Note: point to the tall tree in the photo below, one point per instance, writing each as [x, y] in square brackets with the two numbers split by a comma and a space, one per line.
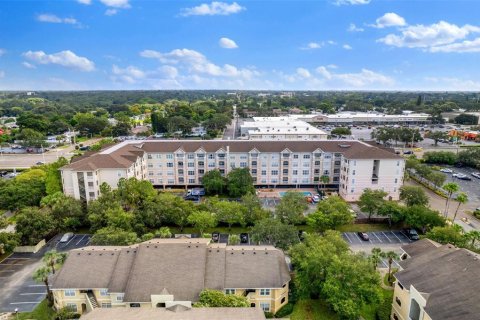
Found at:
[214, 182]
[330, 214]
[229, 213]
[390, 256]
[41, 276]
[239, 182]
[413, 195]
[54, 259]
[376, 257]
[371, 201]
[450, 188]
[253, 209]
[461, 198]
[202, 220]
[272, 231]
[291, 207]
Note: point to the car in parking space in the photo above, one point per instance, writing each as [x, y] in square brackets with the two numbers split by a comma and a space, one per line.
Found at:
[476, 174]
[411, 234]
[408, 152]
[461, 176]
[446, 170]
[215, 236]
[191, 197]
[39, 163]
[66, 237]
[243, 237]
[364, 236]
[316, 198]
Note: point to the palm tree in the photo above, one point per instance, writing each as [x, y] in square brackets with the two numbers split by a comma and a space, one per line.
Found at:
[461, 198]
[324, 180]
[390, 256]
[473, 236]
[52, 258]
[451, 188]
[376, 257]
[41, 275]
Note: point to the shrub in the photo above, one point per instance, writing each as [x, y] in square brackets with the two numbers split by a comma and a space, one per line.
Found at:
[284, 311]
[269, 315]
[384, 309]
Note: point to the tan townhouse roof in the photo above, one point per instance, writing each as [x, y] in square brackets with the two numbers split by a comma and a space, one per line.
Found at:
[125, 154]
[182, 267]
[448, 278]
[166, 314]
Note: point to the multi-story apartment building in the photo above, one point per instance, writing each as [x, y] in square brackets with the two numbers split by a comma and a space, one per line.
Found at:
[351, 166]
[436, 282]
[163, 273]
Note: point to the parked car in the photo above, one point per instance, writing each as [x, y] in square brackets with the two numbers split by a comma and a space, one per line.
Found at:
[408, 152]
[66, 237]
[411, 234]
[461, 176]
[446, 170]
[215, 236]
[316, 198]
[191, 197]
[39, 163]
[364, 236]
[476, 175]
[243, 237]
[196, 192]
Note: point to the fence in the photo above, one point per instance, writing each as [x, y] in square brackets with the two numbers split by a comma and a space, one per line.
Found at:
[30, 249]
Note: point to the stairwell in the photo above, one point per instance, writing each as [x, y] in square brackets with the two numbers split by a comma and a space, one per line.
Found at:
[92, 299]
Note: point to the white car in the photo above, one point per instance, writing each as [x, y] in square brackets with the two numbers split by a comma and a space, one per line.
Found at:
[476, 175]
[66, 237]
[446, 170]
[316, 198]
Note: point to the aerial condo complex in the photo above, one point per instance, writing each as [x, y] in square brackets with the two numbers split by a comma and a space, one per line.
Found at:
[239, 160]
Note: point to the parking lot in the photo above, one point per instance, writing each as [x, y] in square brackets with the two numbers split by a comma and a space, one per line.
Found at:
[472, 187]
[18, 290]
[378, 238]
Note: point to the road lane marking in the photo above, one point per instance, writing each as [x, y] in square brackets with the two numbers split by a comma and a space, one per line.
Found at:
[80, 240]
[377, 237]
[386, 236]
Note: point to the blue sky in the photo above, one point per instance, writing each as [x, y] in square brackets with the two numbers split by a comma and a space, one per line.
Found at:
[278, 45]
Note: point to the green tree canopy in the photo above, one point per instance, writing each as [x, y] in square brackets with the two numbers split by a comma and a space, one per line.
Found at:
[239, 182]
[291, 207]
[213, 182]
[272, 231]
[371, 201]
[202, 220]
[111, 236]
[413, 195]
[330, 214]
[218, 299]
[34, 224]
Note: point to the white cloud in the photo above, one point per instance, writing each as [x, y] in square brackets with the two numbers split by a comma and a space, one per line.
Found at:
[195, 63]
[324, 72]
[111, 12]
[390, 19]
[452, 84]
[87, 2]
[354, 28]
[213, 9]
[313, 45]
[364, 78]
[2, 74]
[123, 4]
[28, 65]
[168, 71]
[347, 47]
[64, 58]
[129, 74]
[51, 18]
[2, 52]
[304, 73]
[430, 36]
[351, 2]
[332, 66]
[227, 43]
[459, 47]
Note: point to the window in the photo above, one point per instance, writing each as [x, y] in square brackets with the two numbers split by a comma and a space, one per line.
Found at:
[69, 293]
[400, 285]
[254, 171]
[254, 163]
[264, 292]
[191, 164]
[89, 174]
[191, 180]
[395, 317]
[396, 180]
[285, 171]
[201, 163]
[201, 171]
[306, 165]
[243, 164]
[306, 156]
[295, 156]
[264, 172]
[285, 179]
[91, 194]
[169, 164]
[106, 305]
[274, 164]
[200, 156]
[283, 300]
[353, 172]
[171, 181]
[134, 305]
[90, 184]
[265, 306]
[191, 156]
[180, 171]
[274, 172]
[169, 156]
[229, 291]
[306, 172]
[149, 156]
[104, 292]
[317, 163]
[285, 163]
[169, 173]
[326, 172]
[120, 297]
[398, 301]
[159, 156]
[72, 307]
[191, 173]
[295, 172]
[150, 173]
[181, 180]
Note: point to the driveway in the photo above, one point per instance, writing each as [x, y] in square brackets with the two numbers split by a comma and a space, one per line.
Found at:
[18, 290]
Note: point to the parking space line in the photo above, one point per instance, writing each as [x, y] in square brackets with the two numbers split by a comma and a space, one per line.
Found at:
[24, 302]
[348, 238]
[66, 244]
[7, 270]
[386, 236]
[376, 237]
[17, 258]
[359, 238]
[81, 240]
[32, 293]
[405, 236]
[396, 236]
[36, 285]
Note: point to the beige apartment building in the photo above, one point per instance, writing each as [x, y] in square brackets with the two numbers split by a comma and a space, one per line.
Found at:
[436, 282]
[351, 166]
[165, 273]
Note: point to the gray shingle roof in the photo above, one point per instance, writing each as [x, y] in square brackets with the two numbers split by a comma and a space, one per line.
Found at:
[164, 314]
[419, 247]
[449, 278]
[182, 267]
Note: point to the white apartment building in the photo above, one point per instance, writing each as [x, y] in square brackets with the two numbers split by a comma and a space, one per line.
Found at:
[345, 118]
[280, 128]
[351, 166]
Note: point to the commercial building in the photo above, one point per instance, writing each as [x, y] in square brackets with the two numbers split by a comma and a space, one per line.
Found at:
[170, 273]
[351, 166]
[436, 282]
[374, 118]
[280, 128]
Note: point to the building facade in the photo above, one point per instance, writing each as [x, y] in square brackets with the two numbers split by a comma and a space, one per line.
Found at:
[350, 166]
[163, 273]
[280, 128]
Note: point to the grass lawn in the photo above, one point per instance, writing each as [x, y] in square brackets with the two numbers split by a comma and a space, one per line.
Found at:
[312, 310]
[41, 312]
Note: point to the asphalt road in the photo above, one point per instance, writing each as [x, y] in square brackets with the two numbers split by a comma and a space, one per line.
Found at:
[18, 290]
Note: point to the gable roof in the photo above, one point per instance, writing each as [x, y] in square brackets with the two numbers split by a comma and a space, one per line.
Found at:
[448, 277]
[182, 267]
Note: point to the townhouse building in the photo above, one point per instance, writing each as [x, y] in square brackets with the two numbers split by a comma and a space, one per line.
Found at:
[436, 282]
[165, 273]
[346, 166]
